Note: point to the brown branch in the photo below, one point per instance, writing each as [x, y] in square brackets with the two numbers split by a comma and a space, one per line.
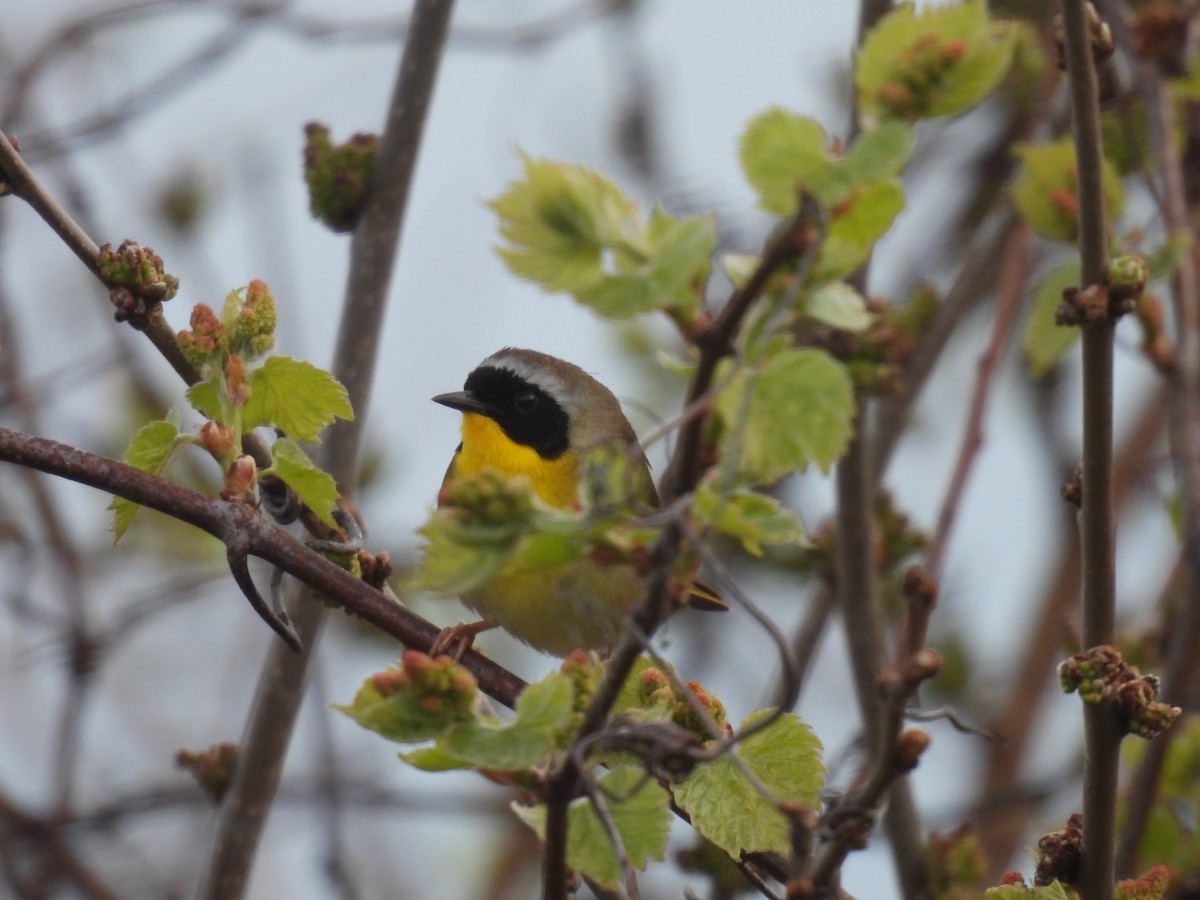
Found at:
[1102, 734]
[1014, 273]
[238, 522]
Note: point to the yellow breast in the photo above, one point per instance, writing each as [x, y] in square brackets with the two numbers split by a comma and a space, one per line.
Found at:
[486, 446]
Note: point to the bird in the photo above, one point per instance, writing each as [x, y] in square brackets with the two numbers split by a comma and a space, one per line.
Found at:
[528, 413]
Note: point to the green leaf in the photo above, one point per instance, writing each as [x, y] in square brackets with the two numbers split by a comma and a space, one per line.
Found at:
[931, 62]
[434, 759]
[838, 305]
[148, 452]
[1046, 190]
[728, 810]
[796, 407]
[557, 221]
[316, 489]
[754, 518]
[856, 225]
[640, 811]
[672, 261]
[1044, 341]
[205, 398]
[782, 154]
[543, 710]
[295, 397]
[1052, 891]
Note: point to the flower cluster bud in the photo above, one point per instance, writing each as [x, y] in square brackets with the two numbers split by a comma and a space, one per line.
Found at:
[1101, 674]
[137, 269]
[213, 768]
[919, 74]
[252, 332]
[438, 687]
[1059, 854]
[657, 690]
[338, 176]
[489, 497]
[207, 338]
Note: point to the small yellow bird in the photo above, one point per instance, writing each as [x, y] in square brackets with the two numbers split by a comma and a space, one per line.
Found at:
[527, 413]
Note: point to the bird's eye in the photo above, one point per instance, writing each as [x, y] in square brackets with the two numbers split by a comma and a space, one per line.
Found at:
[525, 402]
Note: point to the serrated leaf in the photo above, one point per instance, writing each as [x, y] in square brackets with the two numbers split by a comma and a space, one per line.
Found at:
[640, 811]
[1046, 189]
[1044, 341]
[930, 62]
[148, 451]
[838, 305]
[794, 408]
[753, 518]
[295, 397]
[557, 220]
[1052, 891]
[783, 154]
[205, 398]
[316, 489]
[728, 810]
[543, 710]
[856, 225]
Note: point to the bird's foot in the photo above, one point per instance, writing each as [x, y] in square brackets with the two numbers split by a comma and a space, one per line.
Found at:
[457, 639]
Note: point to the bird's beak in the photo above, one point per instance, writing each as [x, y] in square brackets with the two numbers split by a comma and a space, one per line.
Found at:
[464, 401]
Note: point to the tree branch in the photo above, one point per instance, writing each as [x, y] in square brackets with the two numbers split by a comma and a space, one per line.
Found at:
[1102, 740]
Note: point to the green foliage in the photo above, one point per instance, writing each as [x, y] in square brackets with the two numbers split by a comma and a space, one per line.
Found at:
[569, 229]
[640, 811]
[932, 62]
[148, 451]
[295, 397]
[860, 220]
[417, 700]
[791, 408]
[316, 488]
[783, 154]
[493, 523]
[1046, 190]
[838, 305]
[1045, 341]
[1052, 891]
[543, 713]
[1171, 836]
[729, 810]
[753, 518]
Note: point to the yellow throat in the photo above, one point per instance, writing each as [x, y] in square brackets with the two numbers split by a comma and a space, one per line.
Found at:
[486, 446]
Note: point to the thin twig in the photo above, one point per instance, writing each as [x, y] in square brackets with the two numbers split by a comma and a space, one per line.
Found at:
[1014, 273]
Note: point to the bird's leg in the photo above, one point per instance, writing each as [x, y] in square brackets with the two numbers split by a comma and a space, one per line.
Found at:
[457, 639]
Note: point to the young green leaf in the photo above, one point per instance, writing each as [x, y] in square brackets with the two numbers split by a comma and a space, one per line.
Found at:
[1045, 341]
[855, 226]
[728, 810]
[569, 229]
[783, 153]
[794, 408]
[838, 305]
[753, 518]
[434, 759]
[316, 489]
[148, 451]
[640, 811]
[205, 398]
[1046, 190]
[543, 711]
[932, 61]
[295, 397]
